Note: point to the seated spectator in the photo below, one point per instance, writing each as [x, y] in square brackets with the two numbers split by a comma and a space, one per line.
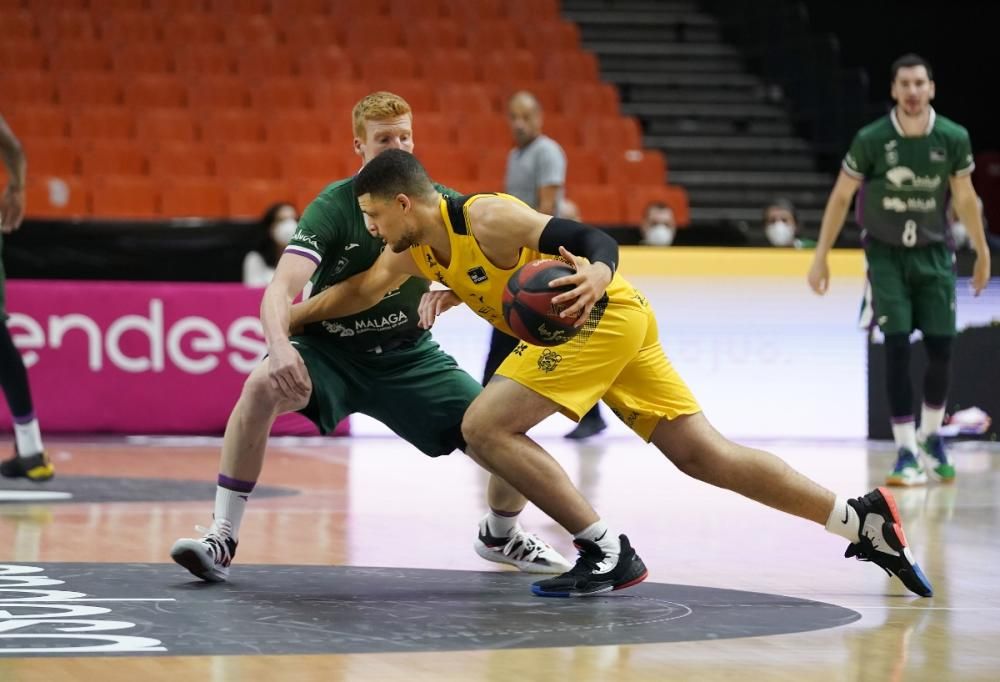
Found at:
[658, 225]
[781, 225]
[278, 224]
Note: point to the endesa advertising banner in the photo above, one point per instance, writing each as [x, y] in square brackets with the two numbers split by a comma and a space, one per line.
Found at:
[137, 357]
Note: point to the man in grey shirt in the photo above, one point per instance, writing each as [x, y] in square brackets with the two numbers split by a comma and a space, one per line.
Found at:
[536, 174]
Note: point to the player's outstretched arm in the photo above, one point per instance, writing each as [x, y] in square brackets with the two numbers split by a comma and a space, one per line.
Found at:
[833, 222]
[967, 208]
[506, 226]
[357, 293]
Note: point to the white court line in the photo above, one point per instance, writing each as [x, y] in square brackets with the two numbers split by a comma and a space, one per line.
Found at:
[32, 495]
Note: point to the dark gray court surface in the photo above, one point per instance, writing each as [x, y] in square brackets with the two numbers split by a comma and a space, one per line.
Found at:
[103, 489]
[155, 609]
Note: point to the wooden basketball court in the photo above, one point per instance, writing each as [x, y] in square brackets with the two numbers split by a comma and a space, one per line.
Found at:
[373, 502]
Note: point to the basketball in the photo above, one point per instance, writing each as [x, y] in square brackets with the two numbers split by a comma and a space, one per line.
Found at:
[528, 307]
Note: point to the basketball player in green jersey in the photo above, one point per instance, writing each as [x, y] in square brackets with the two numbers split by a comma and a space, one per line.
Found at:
[907, 163]
[361, 363]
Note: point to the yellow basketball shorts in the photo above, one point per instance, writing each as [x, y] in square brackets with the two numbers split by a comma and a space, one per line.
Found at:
[620, 360]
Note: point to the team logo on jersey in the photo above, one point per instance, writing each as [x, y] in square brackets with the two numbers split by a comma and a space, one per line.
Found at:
[350, 246]
[477, 275]
[519, 350]
[938, 154]
[548, 360]
[341, 264]
[305, 238]
[337, 328]
[904, 177]
[891, 153]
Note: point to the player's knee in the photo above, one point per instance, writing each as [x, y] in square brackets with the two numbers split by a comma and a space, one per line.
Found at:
[475, 428]
[258, 391]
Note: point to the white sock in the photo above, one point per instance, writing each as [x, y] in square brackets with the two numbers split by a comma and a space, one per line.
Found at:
[28, 438]
[229, 505]
[844, 520]
[500, 525]
[598, 532]
[905, 435]
[931, 419]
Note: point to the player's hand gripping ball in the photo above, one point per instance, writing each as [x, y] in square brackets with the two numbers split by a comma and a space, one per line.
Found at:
[528, 307]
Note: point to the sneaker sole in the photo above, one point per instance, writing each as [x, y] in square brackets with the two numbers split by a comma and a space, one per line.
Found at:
[897, 527]
[499, 557]
[604, 589]
[185, 554]
[899, 482]
[929, 465]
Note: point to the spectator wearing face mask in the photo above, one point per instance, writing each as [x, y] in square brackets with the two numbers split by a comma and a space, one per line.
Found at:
[781, 225]
[658, 225]
[278, 223]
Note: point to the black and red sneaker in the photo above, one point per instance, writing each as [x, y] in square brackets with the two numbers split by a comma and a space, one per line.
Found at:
[594, 574]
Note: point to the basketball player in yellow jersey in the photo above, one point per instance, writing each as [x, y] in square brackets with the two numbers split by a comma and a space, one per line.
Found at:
[472, 245]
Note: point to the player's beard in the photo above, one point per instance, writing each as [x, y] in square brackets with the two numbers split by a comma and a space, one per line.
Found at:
[408, 239]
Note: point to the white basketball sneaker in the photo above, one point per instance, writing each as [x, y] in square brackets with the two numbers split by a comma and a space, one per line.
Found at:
[525, 551]
[209, 557]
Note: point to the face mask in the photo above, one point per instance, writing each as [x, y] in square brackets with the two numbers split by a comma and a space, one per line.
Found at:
[284, 229]
[780, 233]
[659, 235]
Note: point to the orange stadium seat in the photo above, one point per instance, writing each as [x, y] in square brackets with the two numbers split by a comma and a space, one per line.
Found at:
[504, 66]
[218, 92]
[58, 157]
[423, 32]
[150, 57]
[484, 132]
[337, 98]
[589, 99]
[384, 63]
[448, 165]
[311, 32]
[269, 95]
[453, 64]
[155, 90]
[409, 11]
[240, 7]
[633, 167]
[62, 26]
[231, 125]
[27, 88]
[204, 60]
[42, 120]
[550, 36]
[171, 7]
[290, 9]
[250, 198]
[584, 166]
[611, 132]
[344, 10]
[22, 54]
[105, 7]
[491, 167]
[563, 129]
[79, 56]
[18, 25]
[486, 11]
[598, 203]
[251, 31]
[637, 198]
[55, 197]
[130, 28]
[192, 29]
[326, 63]
[432, 129]
[493, 36]
[369, 33]
[165, 125]
[266, 62]
[466, 98]
[124, 197]
[110, 123]
[90, 89]
[312, 161]
[296, 127]
[568, 66]
[113, 158]
[240, 161]
[181, 159]
[531, 11]
[183, 196]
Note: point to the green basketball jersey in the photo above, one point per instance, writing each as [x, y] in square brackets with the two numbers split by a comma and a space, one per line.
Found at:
[902, 200]
[332, 233]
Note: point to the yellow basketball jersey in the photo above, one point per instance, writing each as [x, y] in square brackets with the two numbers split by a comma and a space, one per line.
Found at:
[470, 274]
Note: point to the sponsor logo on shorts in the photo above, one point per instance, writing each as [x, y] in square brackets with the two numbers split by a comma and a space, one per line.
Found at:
[549, 360]
[478, 275]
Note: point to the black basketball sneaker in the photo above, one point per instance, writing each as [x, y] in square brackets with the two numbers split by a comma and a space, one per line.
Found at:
[882, 541]
[594, 573]
[36, 467]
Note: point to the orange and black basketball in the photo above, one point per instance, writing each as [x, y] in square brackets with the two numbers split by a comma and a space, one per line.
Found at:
[528, 307]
